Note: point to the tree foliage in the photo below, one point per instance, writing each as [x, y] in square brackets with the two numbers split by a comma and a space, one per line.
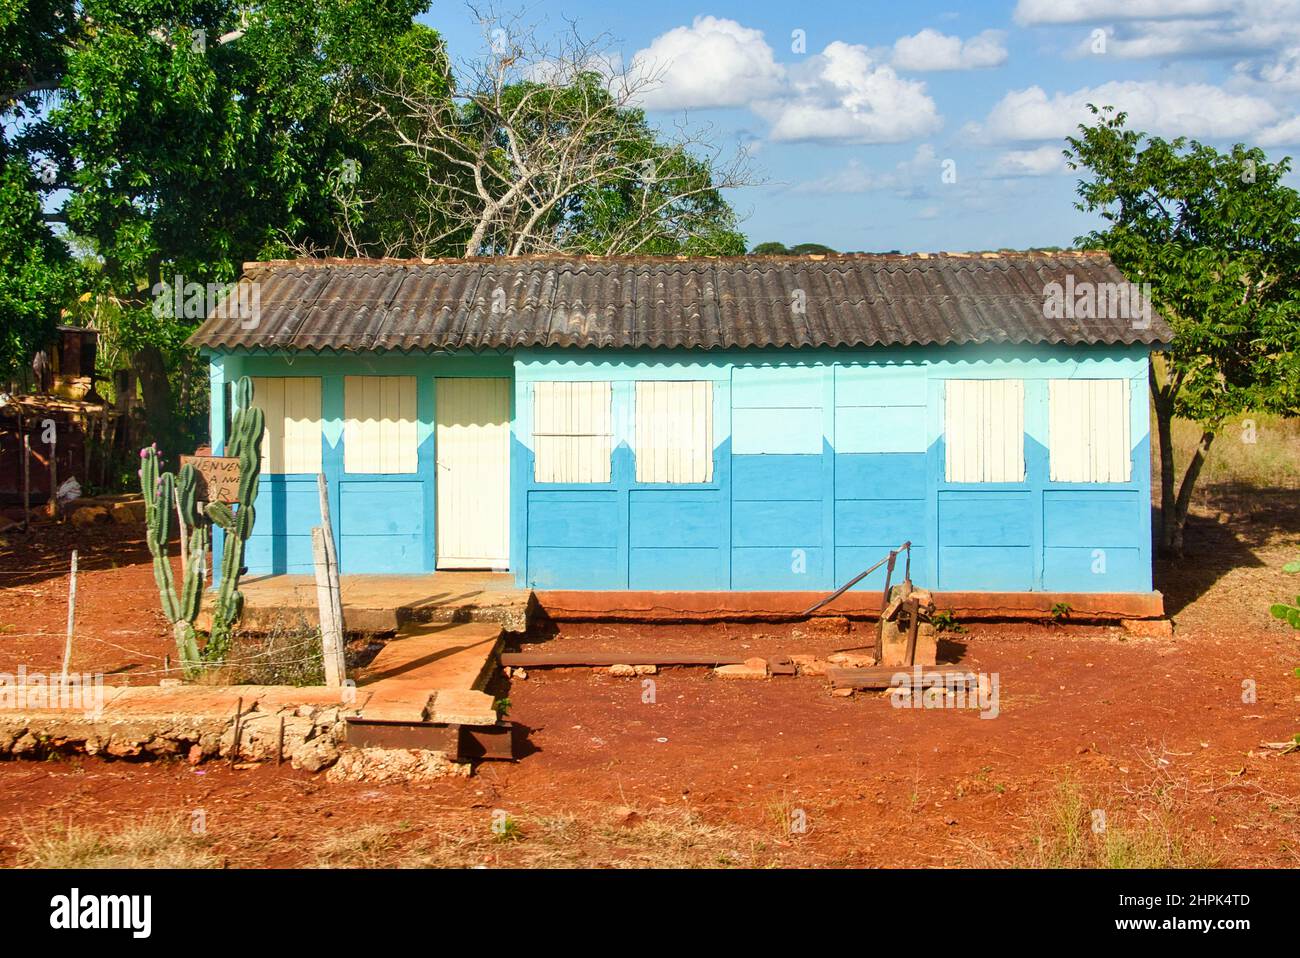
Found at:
[1217, 235]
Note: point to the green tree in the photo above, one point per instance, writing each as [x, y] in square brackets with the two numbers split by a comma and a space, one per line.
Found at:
[37, 276]
[197, 134]
[1217, 235]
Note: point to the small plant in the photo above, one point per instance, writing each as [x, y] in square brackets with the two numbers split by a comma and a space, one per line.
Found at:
[502, 706]
[1290, 614]
[507, 830]
[946, 621]
[1060, 612]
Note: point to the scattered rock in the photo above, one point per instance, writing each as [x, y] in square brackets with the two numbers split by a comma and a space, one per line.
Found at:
[622, 670]
[810, 664]
[315, 754]
[519, 674]
[89, 515]
[842, 693]
[745, 670]
[645, 669]
[128, 513]
[851, 660]
[393, 764]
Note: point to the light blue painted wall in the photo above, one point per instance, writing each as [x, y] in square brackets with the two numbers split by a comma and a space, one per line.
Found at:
[823, 460]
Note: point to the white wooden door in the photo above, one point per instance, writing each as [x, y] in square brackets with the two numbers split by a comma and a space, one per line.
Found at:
[473, 476]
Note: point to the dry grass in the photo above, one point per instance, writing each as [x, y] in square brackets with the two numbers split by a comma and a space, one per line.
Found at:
[1271, 461]
[1072, 832]
[154, 842]
[591, 838]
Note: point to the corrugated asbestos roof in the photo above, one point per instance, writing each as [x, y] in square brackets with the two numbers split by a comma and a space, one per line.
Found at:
[648, 302]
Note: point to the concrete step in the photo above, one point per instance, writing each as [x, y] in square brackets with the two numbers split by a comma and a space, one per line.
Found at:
[426, 660]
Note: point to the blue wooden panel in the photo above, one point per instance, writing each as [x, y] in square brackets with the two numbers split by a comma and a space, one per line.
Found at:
[880, 429]
[676, 519]
[776, 477]
[685, 569]
[375, 554]
[880, 386]
[760, 387]
[850, 560]
[776, 431]
[775, 569]
[1087, 518]
[986, 568]
[278, 555]
[873, 521]
[776, 523]
[1095, 570]
[880, 476]
[986, 519]
[287, 505]
[580, 521]
[381, 508]
[574, 569]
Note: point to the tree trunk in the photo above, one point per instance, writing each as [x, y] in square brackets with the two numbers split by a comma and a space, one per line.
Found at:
[151, 369]
[1164, 405]
[1184, 502]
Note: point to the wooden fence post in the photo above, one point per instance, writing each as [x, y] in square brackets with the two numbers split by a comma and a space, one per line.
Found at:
[72, 611]
[329, 599]
[27, 476]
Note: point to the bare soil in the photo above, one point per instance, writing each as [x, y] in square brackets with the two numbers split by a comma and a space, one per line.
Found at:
[1159, 734]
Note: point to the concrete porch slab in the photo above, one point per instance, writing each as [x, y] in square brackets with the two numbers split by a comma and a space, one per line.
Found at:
[384, 603]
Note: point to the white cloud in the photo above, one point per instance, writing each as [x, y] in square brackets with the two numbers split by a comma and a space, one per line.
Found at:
[712, 63]
[1166, 109]
[932, 50]
[907, 177]
[843, 95]
[1036, 12]
[1043, 161]
[1286, 133]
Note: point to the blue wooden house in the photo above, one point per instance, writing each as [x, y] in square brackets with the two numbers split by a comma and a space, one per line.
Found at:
[768, 424]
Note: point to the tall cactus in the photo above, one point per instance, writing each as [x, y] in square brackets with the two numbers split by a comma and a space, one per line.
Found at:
[245, 444]
[168, 497]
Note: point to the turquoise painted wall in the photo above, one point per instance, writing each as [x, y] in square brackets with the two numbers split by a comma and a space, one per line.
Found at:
[823, 460]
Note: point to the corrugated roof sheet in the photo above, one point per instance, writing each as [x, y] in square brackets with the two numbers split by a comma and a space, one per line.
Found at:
[646, 302]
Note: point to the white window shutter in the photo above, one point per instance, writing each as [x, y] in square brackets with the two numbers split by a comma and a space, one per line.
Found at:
[1088, 430]
[984, 430]
[292, 436]
[674, 432]
[572, 431]
[379, 429]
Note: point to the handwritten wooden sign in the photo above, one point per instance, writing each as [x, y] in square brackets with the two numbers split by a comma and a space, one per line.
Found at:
[218, 477]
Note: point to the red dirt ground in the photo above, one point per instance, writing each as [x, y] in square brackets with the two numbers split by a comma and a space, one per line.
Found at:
[1150, 730]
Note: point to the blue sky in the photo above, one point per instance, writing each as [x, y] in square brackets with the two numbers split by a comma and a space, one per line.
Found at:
[936, 126]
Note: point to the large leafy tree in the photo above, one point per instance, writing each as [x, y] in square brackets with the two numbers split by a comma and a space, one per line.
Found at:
[37, 276]
[1217, 235]
[191, 135]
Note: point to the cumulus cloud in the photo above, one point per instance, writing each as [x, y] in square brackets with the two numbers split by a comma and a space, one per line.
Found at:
[932, 50]
[712, 63]
[1166, 109]
[1043, 161]
[1037, 12]
[843, 95]
[908, 177]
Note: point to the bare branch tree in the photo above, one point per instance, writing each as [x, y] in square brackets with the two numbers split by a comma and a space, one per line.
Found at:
[540, 148]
